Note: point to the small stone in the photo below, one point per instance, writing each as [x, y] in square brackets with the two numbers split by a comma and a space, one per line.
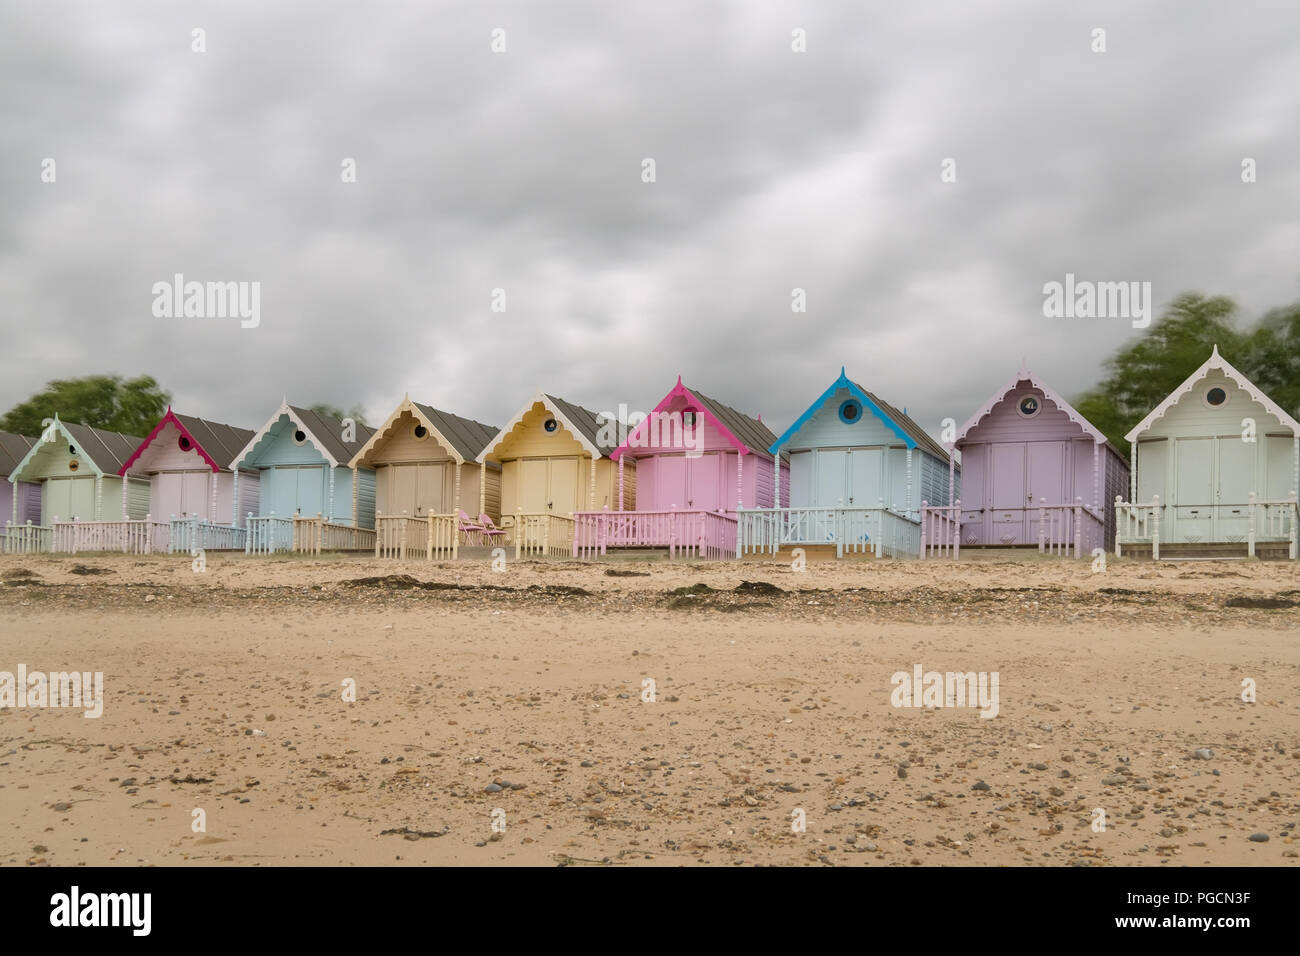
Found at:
[981, 785]
[1259, 838]
[1203, 753]
[492, 788]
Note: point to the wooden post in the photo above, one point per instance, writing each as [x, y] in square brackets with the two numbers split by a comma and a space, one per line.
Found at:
[1155, 528]
[908, 508]
[519, 532]
[1133, 472]
[924, 504]
[1042, 530]
[1096, 481]
[621, 459]
[591, 493]
[1250, 535]
[1078, 524]
[740, 479]
[956, 530]
[1119, 521]
[482, 488]
[952, 475]
[456, 492]
[776, 480]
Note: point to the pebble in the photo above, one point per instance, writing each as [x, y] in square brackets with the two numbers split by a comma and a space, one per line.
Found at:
[1259, 838]
[1203, 753]
[492, 788]
[981, 786]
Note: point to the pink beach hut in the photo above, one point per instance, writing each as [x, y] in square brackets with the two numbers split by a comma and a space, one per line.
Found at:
[696, 460]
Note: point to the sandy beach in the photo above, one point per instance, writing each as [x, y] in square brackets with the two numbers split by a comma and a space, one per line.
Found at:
[522, 699]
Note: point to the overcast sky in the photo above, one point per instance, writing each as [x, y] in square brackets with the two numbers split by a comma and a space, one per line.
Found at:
[523, 171]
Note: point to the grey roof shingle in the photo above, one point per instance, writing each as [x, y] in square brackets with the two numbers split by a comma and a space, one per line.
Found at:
[756, 436]
[221, 442]
[468, 436]
[13, 449]
[328, 430]
[108, 450]
[587, 422]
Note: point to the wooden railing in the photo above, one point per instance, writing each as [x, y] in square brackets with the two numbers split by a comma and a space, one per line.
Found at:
[1069, 529]
[879, 531]
[539, 533]
[267, 534]
[1274, 521]
[709, 535]
[193, 534]
[314, 535]
[27, 538]
[142, 536]
[941, 530]
[434, 536]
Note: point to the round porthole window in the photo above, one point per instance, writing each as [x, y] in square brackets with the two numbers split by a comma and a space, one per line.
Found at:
[688, 419]
[1028, 406]
[1214, 397]
[851, 411]
[300, 436]
[74, 465]
[420, 432]
[72, 449]
[184, 443]
[551, 425]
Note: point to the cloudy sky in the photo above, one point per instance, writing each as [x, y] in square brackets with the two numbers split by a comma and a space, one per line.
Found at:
[522, 171]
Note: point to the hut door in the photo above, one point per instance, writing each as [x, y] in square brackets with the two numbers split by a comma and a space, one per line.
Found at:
[865, 487]
[670, 483]
[56, 500]
[1281, 479]
[564, 493]
[832, 479]
[1047, 474]
[1194, 490]
[194, 495]
[430, 490]
[800, 493]
[533, 479]
[1010, 496]
[166, 495]
[705, 483]
[1236, 480]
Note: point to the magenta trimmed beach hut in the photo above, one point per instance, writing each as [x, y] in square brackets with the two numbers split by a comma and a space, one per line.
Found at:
[191, 482]
[1036, 473]
[697, 461]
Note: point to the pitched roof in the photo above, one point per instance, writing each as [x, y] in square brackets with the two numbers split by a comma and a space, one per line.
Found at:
[325, 432]
[13, 449]
[1215, 361]
[585, 421]
[468, 436]
[584, 424]
[1024, 375]
[902, 425]
[107, 451]
[748, 433]
[215, 443]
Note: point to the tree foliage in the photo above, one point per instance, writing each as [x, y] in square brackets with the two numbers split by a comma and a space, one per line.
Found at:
[130, 406]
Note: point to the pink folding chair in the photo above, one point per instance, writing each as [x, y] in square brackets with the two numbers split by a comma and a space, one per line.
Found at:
[489, 530]
[471, 532]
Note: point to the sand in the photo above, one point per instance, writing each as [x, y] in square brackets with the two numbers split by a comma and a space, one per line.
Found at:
[224, 693]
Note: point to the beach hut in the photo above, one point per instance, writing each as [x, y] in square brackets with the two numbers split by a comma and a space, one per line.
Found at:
[554, 458]
[20, 501]
[1215, 472]
[696, 461]
[87, 503]
[188, 462]
[426, 473]
[309, 499]
[860, 470]
[1036, 473]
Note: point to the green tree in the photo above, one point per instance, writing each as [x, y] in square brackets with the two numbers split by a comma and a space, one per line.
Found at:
[130, 406]
[1270, 356]
[1143, 373]
[356, 413]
